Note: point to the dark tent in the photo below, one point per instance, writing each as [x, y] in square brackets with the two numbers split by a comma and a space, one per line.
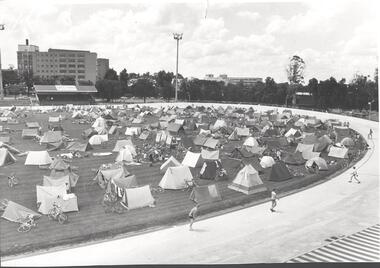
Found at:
[88, 133]
[205, 194]
[187, 142]
[294, 159]
[175, 129]
[241, 153]
[210, 170]
[279, 172]
[77, 146]
[272, 132]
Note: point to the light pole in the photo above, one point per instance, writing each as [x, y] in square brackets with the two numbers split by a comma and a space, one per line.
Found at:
[177, 36]
[2, 28]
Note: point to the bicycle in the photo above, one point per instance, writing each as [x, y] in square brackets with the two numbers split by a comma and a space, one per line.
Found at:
[57, 214]
[12, 180]
[26, 224]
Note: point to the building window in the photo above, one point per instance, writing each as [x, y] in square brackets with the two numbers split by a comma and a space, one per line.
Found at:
[81, 76]
[71, 65]
[72, 71]
[81, 71]
[81, 55]
[71, 60]
[62, 71]
[62, 60]
[62, 55]
[80, 65]
[80, 60]
[62, 65]
[71, 55]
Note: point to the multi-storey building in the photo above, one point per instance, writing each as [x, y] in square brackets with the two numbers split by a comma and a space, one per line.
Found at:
[80, 64]
[103, 65]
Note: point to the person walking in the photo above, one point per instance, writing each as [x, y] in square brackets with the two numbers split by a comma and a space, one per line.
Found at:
[274, 199]
[354, 175]
[370, 134]
[192, 215]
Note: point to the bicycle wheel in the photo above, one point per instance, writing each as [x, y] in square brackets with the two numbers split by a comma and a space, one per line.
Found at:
[23, 228]
[62, 218]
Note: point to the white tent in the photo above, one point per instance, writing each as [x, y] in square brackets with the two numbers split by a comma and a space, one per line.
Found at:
[130, 131]
[242, 132]
[124, 155]
[294, 132]
[98, 139]
[251, 142]
[171, 162]
[192, 159]
[210, 155]
[121, 144]
[320, 162]
[176, 178]
[100, 123]
[138, 197]
[267, 161]
[48, 192]
[38, 158]
[219, 124]
[247, 181]
[6, 157]
[338, 152]
[304, 147]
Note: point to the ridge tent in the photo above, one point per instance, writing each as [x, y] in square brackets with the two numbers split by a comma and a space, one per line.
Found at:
[176, 178]
[209, 170]
[100, 123]
[318, 161]
[310, 154]
[38, 158]
[267, 161]
[204, 132]
[144, 135]
[57, 181]
[234, 136]
[98, 139]
[6, 157]
[28, 133]
[205, 194]
[130, 131]
[279, 172]
[32, 125]
[255, 150]
[59, 164]
[138, 197]
[248, 181]
[179, 121]
[211, 143]
[121, 144]
[122, 183]
[51, 137]
[88, 133]
[338, 152]
[77, 146]
[294, 159]
[48, 195]
[175, 129]
[5, 139]
[55, 173]
[192, 159]
[242, 132]
[199, 140]
[304, 147]
[341, 132]
[241, 153]
[251, 142]
[124, 155]
[54, 119]
[210, 155]
[11, 149]
[295, 132]
[116, 171]
[14, 212]
[218, 124]
[171, 162]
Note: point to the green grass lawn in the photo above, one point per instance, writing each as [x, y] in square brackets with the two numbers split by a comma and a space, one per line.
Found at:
[92, 222]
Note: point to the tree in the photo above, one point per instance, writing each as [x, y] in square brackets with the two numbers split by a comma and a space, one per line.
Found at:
[295, 71]
[313, 90]
[124, 78]
[143, 88]
[10, 77]
[111, 75]
[109, 89]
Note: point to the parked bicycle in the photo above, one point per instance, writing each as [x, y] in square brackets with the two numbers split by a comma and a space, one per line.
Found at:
[26, 224]
[12, 180]
[57, 214]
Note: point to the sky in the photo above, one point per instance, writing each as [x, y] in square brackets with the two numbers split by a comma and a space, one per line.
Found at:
[237, 38]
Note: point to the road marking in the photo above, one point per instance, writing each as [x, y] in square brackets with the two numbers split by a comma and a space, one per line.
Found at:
[363, 246]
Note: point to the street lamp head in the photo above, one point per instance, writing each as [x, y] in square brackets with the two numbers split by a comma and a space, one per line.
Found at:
[177, 36]
[2, 26]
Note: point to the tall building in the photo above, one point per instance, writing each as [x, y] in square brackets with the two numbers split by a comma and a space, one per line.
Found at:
[80, 64]
[102, 65]
[246, 81]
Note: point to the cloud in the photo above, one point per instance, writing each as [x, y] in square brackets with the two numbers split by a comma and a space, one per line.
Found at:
[249, 15]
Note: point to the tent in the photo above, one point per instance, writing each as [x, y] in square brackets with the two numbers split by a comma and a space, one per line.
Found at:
[138, 197]
[219, 124]
[318, 161]
[54, 119]
[59, 164]
[279, 172]
[251, 142]
[48, 195]
[234, 136]
[38, 158]
[77, 146]
[124, 155]
[51, 137]
[211, 143]
[5, 139]
[104, 176]
[210, 155]
[98, 139]
[267, 161]
[121, 144]
[175, 129]
[309, 154]
[248, 181]
[66, 172]
[205, 194]
[199, 140]
[112, 130]
[120, 185]
[255, 150]
[130, 131]
[57, 181]
[348, 142]
[338, 152]
[176, 178]
[294, 158]
[14, 212]
[242, 132]
[192, 159]
[32, 125]
[100, 123]
[241, 153]
[209, 169]
[171, 162]
[144, 135]
[293, 132]
[6, 157]
[304, 147]
[341, 132]
[310, 139]
[28, 133]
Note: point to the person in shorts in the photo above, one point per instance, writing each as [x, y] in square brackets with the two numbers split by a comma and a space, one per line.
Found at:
[354, 175]
[274, 199]
[192, 215]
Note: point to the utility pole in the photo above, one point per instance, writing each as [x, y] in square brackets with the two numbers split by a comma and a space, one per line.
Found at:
[2, 28]
[177, 36]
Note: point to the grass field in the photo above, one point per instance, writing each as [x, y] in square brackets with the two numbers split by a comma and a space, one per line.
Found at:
[92, 222]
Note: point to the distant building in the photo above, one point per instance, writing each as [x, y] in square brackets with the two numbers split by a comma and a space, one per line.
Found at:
[304, 99]
[102, 66]
[80, 64]
[246, 81]
[64, 94]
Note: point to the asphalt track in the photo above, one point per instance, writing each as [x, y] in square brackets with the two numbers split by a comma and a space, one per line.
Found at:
[252, 235]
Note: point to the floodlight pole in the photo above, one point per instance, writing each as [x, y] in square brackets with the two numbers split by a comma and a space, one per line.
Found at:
[2, 28]
[177, 36]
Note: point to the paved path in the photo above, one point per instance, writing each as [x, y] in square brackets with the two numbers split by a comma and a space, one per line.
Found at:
[252, 235]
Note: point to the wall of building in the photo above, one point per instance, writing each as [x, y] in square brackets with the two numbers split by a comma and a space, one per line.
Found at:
[103, 66]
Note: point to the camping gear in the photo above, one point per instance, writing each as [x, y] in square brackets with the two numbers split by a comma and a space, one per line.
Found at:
[205, 194]
[248, 181]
